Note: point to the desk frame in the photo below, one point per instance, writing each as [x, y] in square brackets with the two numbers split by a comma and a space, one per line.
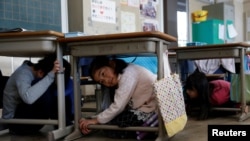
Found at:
[128, 44]
[38, 44]
[232, 50]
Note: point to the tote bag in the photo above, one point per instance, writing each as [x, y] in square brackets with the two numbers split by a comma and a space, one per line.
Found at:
[235, 88]
[170, 98]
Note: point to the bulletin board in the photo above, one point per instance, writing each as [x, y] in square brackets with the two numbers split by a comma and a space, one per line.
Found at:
[100, 16]
[114, 16]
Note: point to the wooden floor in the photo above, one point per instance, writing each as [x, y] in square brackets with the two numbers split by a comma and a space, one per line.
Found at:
[194, 131]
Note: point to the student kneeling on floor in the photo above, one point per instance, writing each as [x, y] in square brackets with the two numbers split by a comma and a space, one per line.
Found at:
[205, 94]
[134, 99]
[31, 93]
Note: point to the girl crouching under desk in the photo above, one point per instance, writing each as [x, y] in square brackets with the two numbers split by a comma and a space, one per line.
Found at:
[205, 94]
[134, 100]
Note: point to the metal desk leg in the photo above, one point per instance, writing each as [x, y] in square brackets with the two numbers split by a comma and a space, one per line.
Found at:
[162, 136]
[77, 105]
[61, 131]
[244, 108]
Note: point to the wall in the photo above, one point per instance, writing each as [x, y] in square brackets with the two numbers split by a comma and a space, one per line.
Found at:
[9, 64]
[239, 18]
[194, 5]
[116, 16]
[170, 19]
[247, 20]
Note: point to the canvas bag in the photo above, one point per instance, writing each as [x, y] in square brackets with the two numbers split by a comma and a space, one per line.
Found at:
[170, 99]
[235, 88]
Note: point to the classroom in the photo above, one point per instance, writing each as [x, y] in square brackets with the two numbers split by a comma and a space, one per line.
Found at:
[153, 70]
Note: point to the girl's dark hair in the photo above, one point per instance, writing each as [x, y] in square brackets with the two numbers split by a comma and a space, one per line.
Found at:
[102, 61]
[198, 81]
[47, 63]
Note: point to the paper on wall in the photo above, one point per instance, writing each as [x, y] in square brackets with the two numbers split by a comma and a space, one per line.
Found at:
[231, 31]
[103, 11]
[221, 32]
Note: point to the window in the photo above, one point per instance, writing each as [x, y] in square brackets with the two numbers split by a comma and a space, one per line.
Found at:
[182, 22]
[182, 28]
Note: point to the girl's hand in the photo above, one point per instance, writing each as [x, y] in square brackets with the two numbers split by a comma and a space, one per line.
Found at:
[83, 125]
[56, 67]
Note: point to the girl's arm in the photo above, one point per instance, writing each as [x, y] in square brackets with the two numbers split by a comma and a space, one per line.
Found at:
[127, 84]
[30, 93]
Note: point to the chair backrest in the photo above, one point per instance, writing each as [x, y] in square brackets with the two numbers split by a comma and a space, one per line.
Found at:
[3, 81]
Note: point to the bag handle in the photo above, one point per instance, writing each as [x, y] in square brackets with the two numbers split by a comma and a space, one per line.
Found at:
[166, 64]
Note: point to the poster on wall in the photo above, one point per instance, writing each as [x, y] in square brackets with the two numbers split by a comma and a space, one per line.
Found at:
[150, 25]
[148, 8]
[103, 11]
[149, 15]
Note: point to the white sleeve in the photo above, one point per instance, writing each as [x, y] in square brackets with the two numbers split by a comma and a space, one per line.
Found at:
[122, 96]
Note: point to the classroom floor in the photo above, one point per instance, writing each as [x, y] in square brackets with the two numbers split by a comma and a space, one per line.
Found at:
[194, 131]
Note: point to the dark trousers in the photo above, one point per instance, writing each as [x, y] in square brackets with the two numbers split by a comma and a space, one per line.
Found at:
[44, 108]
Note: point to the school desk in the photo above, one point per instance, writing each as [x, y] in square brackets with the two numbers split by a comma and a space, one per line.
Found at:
[38, 44]
[229, 50]
[122, 45]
